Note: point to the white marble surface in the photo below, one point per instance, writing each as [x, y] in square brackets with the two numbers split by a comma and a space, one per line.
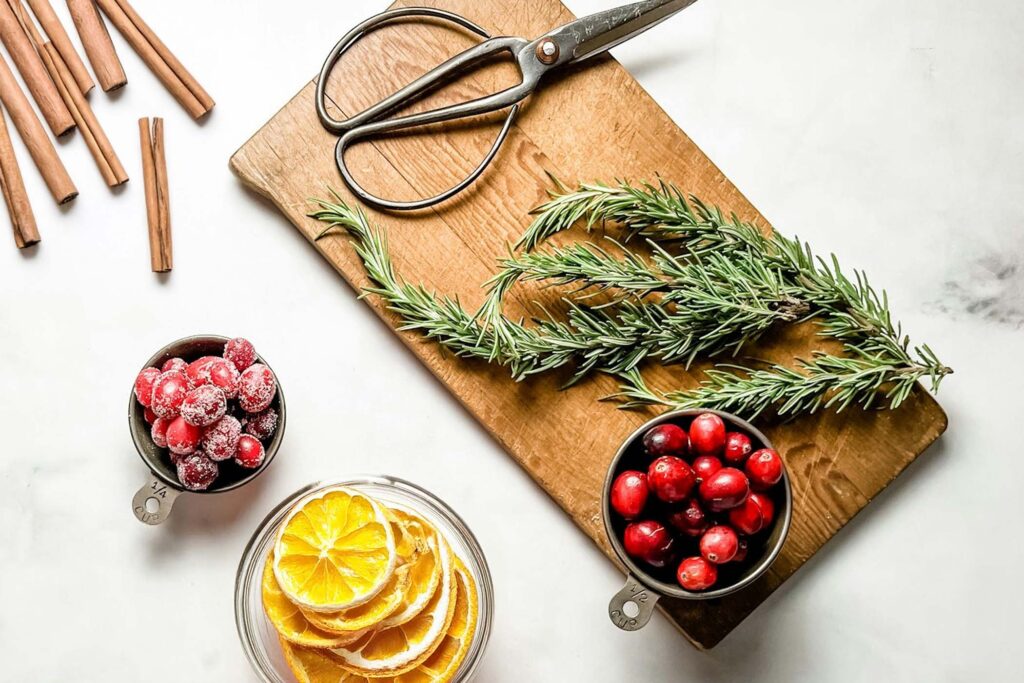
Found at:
[887, 131]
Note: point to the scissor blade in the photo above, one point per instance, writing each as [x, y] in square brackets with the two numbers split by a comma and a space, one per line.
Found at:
[600, 32]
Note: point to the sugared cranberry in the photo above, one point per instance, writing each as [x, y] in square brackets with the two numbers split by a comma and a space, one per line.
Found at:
[628, 495]
[182, 438]
[204, 405]
[719, 544]
[696, 574]
[256, 388]
[197, 472]
[174, 365]
[741, 550]
[148, 415]
[223, 375]
[263, 425]
[666, 439]
[220, 440]
[691, 520]
[158, 432]
[198, 371]
[764, 469]
[250, 452]
[169, 393]
[754, 515]
[240, 352]
[648, 541]
[707, 434]
[725, 489]
[144, 386]
[671, 479]
[706, 465]
[737, 448]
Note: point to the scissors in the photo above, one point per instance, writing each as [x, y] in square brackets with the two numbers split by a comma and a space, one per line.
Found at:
[568, 44]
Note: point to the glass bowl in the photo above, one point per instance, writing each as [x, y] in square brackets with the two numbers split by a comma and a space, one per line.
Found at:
[258, 637]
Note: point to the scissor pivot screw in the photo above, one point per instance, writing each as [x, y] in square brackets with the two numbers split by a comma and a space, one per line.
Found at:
[547, 51]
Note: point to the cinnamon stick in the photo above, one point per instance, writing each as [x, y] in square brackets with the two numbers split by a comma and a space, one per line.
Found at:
[59, 37]
[31, 67]
[154, 173]
[98, 46]
[34, 135]
[175, 77]
[23, 221]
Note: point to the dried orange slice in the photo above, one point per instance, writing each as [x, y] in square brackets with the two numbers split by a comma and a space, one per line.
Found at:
[335, 551]
[426, 570]
[310, 665]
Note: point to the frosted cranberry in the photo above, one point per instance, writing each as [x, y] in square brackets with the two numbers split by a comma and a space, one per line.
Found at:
[158, 432]
[666, 439]
[719, 544]
[707, 434]
[764, 469]
[671, 479]
[754, 515]
[240, 352]
[741, 551]
[174, 365]
[223, 375]
[144, 386]
[220, 440]
[629, 494]
[696, 574]
[197, 472]
[149, 416]
[706, 465]
[648, 541]
[182, 438]
[250, 452]
[256, 388]
[691, 520]
[725, 489]
[204, 405]
[737, 448]
[198, 371]
[169, 393]
[263, 425]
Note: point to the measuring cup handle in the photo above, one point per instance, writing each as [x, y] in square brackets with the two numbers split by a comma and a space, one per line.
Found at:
[642, 600]
[153, 502]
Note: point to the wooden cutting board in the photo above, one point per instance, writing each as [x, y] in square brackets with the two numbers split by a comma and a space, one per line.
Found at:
[591, 123]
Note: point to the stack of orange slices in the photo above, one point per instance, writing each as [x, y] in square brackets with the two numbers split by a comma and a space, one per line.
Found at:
[362, 592]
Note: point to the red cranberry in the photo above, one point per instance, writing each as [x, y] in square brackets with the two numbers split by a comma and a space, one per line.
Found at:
[174, 365]
[754, 515]
[169, 393]
[706, 465]
[629, 494]
[223, 375]
[648, 541]
[666, 439]
[220, 440]
[764, 468]
[737, 448]
[197, 472]
[707, 434]
[158, 432]
[696, 574]
[144, 386]
[671, 479]
[741, 550]
[182, 438]
[204, 405]
[256, 388]
[263, 425]
[149, 416]
[691, 520]
[250, 452]
[719, 544]
[725, 489]
[198, 373]
[240, 352]
[766, 505]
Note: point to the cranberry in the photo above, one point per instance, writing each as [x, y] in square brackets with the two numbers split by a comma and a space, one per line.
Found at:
[223, 375]
[691, 520]
[696, 574]
[158, 432]
[707, 434]
[671, 479]
[144, 386]
[204, 405]
[764, 468]
[197, 372]
[174, 365]
[754, 515]
[648, 541]
[256, 388]
[220, 440]
[629, 494]
[240, 352]
[719, 544]
[169, 393]
[741, 550]
[197, 472]
[725, 489]
[182, 438]
[705, 466]
[149, 416]
[262, 426]
[766, 505]
[250, 452]
[737, 448]
[666, 439]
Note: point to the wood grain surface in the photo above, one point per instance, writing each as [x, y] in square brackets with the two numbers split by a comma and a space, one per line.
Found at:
[593, 122]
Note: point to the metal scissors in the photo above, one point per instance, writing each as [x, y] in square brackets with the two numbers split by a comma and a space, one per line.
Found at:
[568, 44]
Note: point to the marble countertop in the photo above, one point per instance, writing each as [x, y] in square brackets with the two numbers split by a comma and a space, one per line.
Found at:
[888, 132]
